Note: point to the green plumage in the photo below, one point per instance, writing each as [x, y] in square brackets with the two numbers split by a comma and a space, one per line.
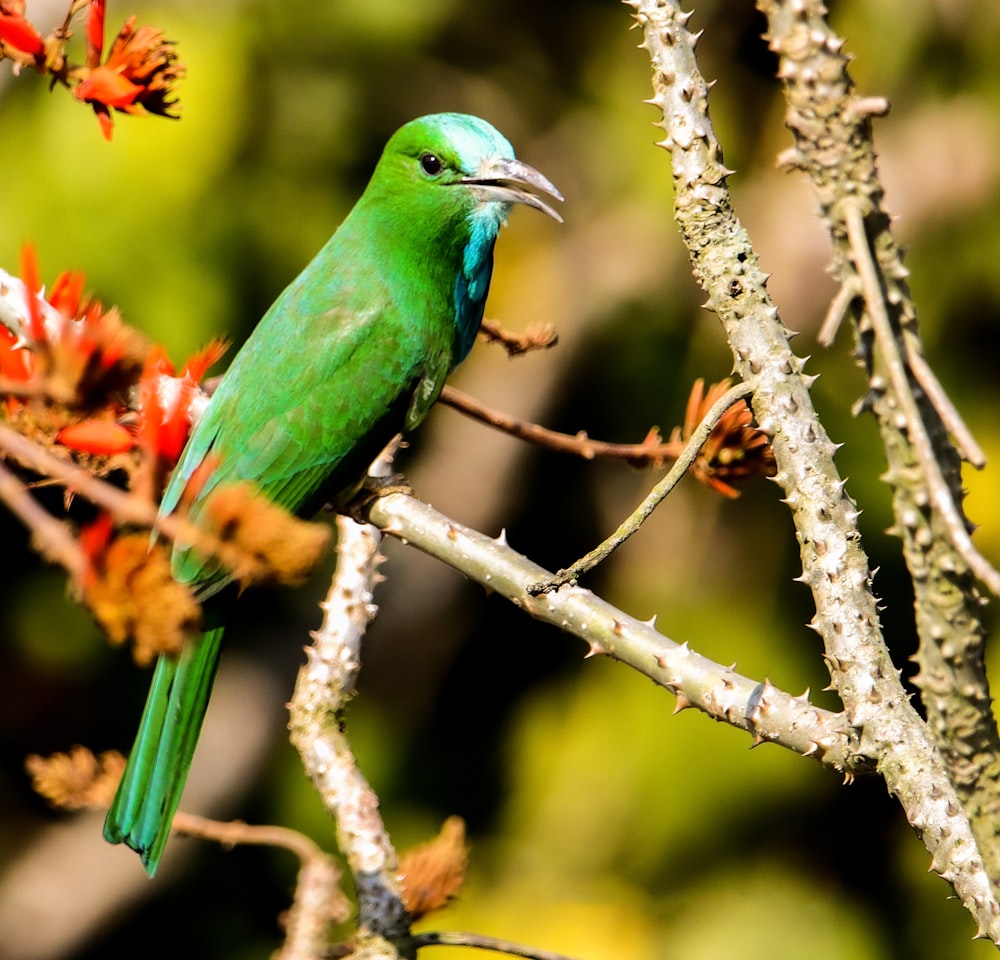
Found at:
[355, 350]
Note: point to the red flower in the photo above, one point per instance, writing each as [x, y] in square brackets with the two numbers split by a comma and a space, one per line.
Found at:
[138, 76]
[169, 405]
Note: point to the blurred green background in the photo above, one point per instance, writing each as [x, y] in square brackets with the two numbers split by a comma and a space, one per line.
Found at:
[601, 826]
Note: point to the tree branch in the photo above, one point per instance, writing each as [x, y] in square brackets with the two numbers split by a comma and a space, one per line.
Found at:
[833, 146]
[834, 563]
[325, 684]
[760, 708]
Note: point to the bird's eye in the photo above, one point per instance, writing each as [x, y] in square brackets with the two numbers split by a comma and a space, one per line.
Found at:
[430, 164]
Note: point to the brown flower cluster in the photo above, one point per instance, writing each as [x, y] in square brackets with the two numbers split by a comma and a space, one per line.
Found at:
[735, 449]
[258, 541]
[130, 592]
[139, 75]
[433, 873]
[77, 780]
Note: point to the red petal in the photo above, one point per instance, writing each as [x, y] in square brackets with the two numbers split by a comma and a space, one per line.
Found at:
[67, 292]
[174, 427]
[33, 287]
[103, 437]
[18, 32]
[95, 32]
[15, 364]
[198, 365]
[107, 86]
[94, 540]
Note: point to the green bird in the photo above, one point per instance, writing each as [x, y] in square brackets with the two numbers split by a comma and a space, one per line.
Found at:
[354, 351]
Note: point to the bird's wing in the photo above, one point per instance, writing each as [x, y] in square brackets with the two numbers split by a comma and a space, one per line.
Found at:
[305, 409]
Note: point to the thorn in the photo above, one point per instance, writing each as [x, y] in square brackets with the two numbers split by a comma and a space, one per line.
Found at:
[863, 107]
[682, 704]
[501, 537]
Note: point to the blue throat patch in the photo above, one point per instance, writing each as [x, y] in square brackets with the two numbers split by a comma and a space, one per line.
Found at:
[473, 281]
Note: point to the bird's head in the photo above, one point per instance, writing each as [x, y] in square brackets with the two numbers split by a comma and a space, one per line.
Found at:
[459, 163]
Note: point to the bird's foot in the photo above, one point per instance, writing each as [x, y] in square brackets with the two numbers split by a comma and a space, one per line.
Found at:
[374, 488]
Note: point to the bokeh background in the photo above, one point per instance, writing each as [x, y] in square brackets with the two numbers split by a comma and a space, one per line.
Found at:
[602, 827]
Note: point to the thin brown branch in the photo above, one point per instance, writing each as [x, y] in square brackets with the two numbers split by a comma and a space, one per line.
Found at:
[537, 337]
[650, 452]
[481, 942]
[318, 901]
[53, 537]
[23, 388]
[235, 833]
[126, 507]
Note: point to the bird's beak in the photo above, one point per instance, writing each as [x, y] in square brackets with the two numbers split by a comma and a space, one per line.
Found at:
[507, 181]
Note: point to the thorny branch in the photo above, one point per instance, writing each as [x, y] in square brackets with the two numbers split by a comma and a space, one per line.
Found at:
[834, 147]
[834, 565]
[764, 711]
[324, 686]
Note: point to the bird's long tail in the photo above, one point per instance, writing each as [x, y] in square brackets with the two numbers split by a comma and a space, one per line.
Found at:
[151, 787]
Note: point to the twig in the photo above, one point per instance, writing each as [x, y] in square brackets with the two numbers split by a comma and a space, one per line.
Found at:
[233, 833]
[849, 290]
[579, 444]
[481, 942]
[536, 337]
[940, 495]
[125, 506]
[318, 901]
[655, 497]
[929, 383]
[53, 537]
